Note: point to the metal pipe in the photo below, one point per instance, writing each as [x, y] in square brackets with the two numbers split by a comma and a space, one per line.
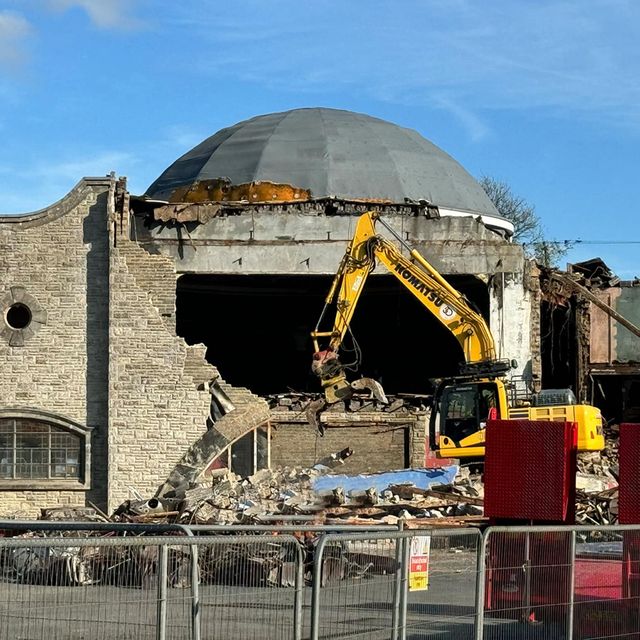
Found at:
[404, 589]
[92, 541]
[480, 588]
[188, 530]
[161, 623]
[50, 525]
[394, 233]
[207, 528]
[395, 619]
[286, 518]
[526, 567]
[564, 528]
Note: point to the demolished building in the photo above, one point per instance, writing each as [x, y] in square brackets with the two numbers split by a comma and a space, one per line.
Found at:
[591, 337]
[135, 327]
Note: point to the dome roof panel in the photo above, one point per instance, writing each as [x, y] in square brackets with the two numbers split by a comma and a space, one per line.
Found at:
[331, 153]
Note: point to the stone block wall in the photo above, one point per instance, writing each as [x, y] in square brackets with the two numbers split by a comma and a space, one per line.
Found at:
[59, 258]
[157, 410]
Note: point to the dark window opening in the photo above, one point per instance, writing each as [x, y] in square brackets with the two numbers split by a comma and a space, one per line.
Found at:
[558, 346]
[18, 316]
[617, 396]
[247, 455]
[257, 330]
[34, 450]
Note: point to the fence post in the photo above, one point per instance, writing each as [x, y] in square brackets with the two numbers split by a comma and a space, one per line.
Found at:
[404, 590]
[195, 594]
[398, 584]
[161, 624]
[481, 583]
[315, 587]
[526, 567]
[298, 597]
[572, 586]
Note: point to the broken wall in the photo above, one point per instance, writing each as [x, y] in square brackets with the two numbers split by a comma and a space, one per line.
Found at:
[301, 239]
[159, 396]
[57, 260]
[294, 239]
[513, 321]
[156, 408]
[610, 341]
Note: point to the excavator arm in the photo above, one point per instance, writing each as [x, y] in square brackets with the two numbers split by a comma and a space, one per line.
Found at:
[449, 306]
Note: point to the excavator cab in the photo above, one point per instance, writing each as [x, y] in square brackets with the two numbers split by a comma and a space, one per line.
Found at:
[459, 415]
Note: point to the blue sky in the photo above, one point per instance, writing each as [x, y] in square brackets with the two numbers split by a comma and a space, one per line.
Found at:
[544, 95]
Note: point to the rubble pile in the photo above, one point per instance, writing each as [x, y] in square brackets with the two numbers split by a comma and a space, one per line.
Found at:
[230, 499]
[597, 483]
[401, 403]
[599, 508]
[289, 491]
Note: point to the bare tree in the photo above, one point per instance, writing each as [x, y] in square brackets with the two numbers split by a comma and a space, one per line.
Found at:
[528, 228]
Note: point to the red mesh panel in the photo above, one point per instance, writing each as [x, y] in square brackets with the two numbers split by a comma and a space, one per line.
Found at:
[629, 463]
[530, 470]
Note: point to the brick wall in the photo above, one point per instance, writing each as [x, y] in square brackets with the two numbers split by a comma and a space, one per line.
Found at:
[53, 254]
[380, 442]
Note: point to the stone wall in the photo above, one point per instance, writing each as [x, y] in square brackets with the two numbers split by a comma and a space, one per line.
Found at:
[159, 397]
[156, 408]
[51, 256]
[101, 351]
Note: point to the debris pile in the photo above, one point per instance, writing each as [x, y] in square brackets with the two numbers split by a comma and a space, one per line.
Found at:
[401, 403]
[597, 483]
[385, 498]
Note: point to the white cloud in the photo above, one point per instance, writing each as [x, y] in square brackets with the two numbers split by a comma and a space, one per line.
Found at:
[107, 14]
[14, 32]
[476, 128]
[575, 59]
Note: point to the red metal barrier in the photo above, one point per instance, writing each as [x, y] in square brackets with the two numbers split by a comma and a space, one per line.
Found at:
[629, 465]
[629, 513]
[529, 471]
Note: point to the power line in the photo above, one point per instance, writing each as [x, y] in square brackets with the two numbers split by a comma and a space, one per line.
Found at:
[571, 242]
[604, 241]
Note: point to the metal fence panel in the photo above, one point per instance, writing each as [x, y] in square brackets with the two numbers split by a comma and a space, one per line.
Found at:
[361, 586]
[578, 583]
[161, 588]
[447, 608]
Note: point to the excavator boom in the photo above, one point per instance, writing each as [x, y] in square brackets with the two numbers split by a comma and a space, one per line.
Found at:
[366, 249]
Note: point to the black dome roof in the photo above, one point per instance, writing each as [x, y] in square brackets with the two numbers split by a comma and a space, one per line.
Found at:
[332, 153]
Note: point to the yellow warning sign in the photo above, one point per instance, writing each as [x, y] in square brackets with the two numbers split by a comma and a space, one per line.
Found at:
[419, 563]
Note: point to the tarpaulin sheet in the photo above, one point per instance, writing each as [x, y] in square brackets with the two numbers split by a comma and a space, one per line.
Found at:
[420, 478]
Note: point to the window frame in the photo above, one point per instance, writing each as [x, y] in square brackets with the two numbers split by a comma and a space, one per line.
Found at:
[81, 483]
[226, 455]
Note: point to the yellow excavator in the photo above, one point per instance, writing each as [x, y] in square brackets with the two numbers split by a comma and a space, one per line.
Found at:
[461, 404]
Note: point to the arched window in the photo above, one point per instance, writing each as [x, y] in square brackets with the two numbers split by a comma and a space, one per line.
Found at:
[42, 451]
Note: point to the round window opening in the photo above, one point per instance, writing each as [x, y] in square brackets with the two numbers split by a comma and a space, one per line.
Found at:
[18, 316]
